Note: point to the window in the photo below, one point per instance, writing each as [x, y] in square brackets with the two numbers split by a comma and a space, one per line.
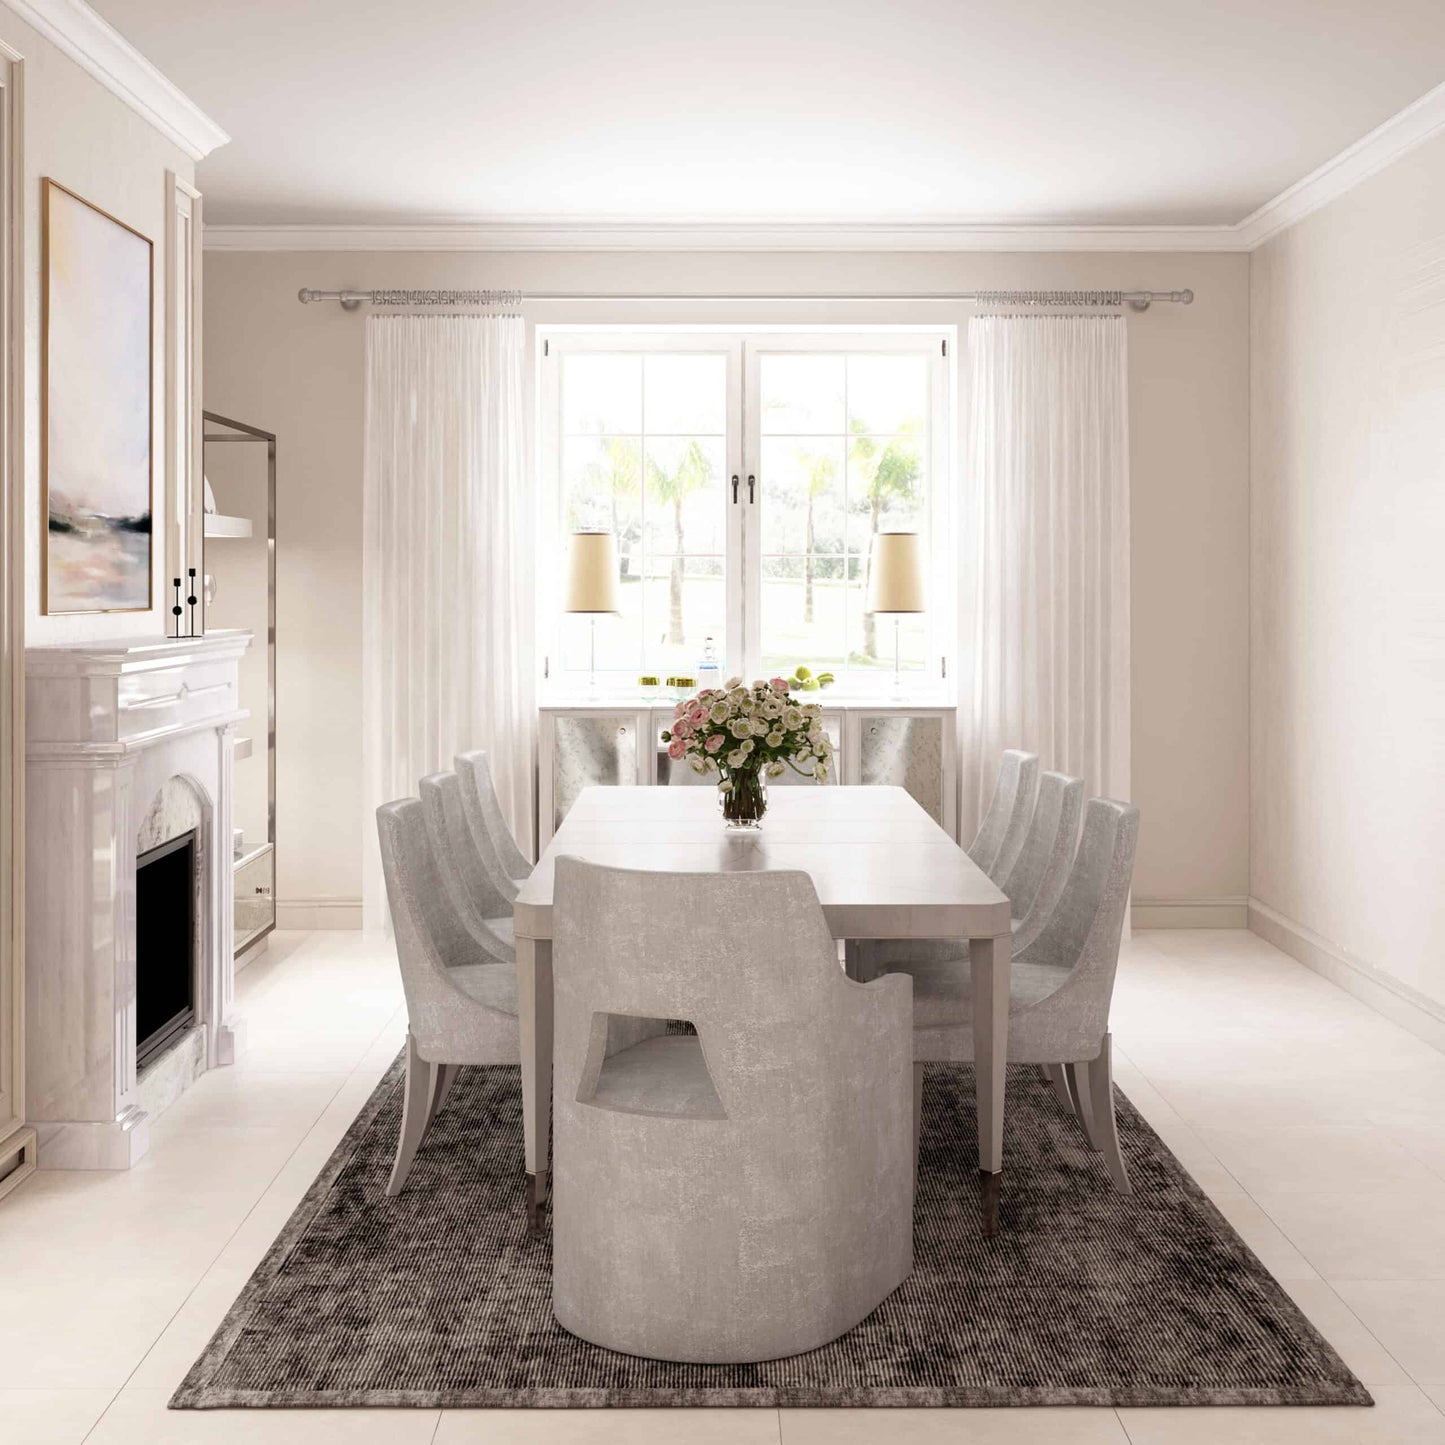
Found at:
[744, 477]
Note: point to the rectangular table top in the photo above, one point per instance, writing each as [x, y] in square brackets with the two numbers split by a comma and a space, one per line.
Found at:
[882, 867]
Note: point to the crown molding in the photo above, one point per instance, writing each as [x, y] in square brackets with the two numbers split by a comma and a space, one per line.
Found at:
[566, 234]
[1411, 127]
[103, 52]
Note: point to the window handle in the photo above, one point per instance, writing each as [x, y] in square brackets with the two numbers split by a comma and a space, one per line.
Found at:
[752, 484]
[735, 486]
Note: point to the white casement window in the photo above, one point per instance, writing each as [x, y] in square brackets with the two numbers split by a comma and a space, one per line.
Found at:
[745, 477]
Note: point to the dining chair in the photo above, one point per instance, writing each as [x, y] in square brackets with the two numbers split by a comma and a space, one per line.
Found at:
[1033, 885]
[461, 1003]
[741, 1192]
[1060, 987]
[1001, 835]
[475, 895]
[504, 860]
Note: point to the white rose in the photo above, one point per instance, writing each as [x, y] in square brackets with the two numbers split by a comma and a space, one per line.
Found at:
[699, 766]
[746, 747]
[732, 683]
[792, 717]
[740, 727]
[718, 712]
[737, 758]
[760, 727]
[775, 740]
[775, 770]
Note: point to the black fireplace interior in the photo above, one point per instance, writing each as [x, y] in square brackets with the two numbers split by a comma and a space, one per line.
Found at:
[165, 935]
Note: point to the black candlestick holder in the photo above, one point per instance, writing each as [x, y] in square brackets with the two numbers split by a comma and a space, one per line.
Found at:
[176, 609]
[191, 602]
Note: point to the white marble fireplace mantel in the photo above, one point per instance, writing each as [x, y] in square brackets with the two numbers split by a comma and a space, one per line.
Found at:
[108, 726]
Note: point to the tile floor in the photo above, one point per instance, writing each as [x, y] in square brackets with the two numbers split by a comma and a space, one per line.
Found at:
[1317, 1126]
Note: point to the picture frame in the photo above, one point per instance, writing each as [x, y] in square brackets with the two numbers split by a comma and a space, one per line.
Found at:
[97, 380]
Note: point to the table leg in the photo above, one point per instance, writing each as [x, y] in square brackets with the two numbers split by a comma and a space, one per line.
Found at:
[534, 1016]
[989, 958]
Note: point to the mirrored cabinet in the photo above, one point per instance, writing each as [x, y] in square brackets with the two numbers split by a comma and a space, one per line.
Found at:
[584, 745]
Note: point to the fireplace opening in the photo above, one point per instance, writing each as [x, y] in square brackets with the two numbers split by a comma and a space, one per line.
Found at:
[165, 940]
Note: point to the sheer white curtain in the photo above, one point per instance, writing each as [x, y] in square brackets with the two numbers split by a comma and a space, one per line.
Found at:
[1046, 547]
[447, 548]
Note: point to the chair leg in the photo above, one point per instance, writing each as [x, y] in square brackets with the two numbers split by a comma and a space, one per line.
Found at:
[416, 1111]
[917, 1113]
[1080, 1091]
[446, 1076]
[1054, 1073]
[1101, 1086]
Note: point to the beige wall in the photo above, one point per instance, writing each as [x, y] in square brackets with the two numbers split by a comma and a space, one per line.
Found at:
[1348, 544]
[78, 133]
[297, 370]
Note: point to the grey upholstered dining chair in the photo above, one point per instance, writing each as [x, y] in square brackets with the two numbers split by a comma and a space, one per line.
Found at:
[503, 859]
[1033, 885]
[742, 1193]
[475, 895]
[461, 1003]
[1060, 987]
[1001, 835]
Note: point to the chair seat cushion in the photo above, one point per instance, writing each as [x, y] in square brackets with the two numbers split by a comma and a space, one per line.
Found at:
[493, 984]
[943, 989]
[663, 1075]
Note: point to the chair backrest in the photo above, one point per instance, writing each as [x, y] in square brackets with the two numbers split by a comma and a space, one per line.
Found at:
[430, 935]
[484, 816]
[1001, 834]
[745, 957]
[473, 892]
[1034, 883]
[1083, 931]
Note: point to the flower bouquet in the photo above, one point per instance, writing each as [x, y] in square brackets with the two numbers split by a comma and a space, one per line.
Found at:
[747, 735]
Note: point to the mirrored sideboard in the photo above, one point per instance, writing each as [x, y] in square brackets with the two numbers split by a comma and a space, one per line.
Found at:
[618, 742]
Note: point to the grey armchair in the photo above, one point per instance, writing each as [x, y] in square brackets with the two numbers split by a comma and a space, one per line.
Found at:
[461, 1003]
[739, 1194]
[1001, 835]
[1061, 985]
[475, 894]
[494, 841]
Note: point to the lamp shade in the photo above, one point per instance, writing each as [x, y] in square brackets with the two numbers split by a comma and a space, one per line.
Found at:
[895, 581]
[592, 573]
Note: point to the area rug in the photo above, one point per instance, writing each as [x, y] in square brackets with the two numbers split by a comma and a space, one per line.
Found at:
[442, 1298]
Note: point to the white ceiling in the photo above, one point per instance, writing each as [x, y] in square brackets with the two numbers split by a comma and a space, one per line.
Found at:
[1112, 112]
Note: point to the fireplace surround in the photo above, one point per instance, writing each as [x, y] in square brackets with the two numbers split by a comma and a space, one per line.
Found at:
[128, 747]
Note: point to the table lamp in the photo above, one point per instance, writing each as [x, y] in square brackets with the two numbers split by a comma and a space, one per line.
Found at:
[895, 584]
[592, 585]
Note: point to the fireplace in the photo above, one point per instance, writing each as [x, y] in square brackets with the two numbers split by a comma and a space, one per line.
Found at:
[165, 935]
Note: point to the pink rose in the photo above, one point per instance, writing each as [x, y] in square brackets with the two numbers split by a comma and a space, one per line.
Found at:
[715, 742]
[675, 749]
[697, 717]
[682, 728]
[759, 685]
[679, 709]
[779, 684]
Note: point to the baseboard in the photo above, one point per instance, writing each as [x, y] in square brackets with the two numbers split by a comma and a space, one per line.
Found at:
[1189, 913]
[313, 913]
[1397, 1001]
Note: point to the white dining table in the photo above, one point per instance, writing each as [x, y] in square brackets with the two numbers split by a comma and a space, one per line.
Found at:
[881, 866]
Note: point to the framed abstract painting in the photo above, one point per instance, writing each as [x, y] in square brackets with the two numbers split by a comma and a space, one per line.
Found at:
[96, 410]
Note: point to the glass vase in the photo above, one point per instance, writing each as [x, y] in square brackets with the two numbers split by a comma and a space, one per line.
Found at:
[744, 804]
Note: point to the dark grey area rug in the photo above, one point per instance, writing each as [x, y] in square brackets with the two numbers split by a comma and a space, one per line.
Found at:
[442, 1298]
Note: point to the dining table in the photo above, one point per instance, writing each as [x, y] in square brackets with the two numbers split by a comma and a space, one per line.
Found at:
[882, 868]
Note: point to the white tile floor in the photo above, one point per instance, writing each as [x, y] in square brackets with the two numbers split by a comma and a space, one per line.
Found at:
[1318, 1127]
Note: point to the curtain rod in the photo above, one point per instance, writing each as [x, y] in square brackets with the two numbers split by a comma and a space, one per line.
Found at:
[351, 300]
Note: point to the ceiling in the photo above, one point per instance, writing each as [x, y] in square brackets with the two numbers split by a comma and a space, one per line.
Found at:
[1114, 112]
